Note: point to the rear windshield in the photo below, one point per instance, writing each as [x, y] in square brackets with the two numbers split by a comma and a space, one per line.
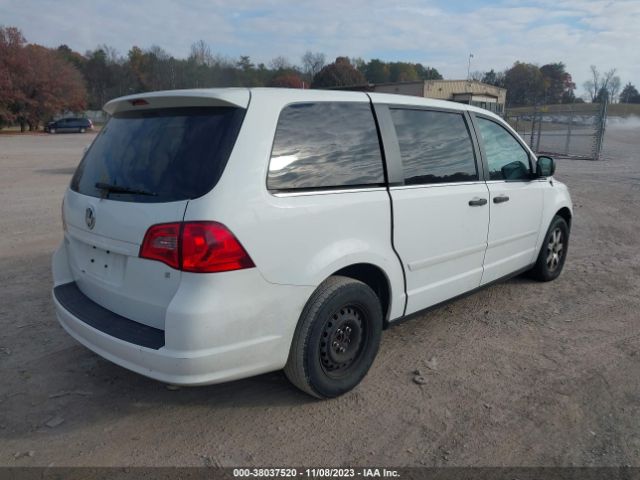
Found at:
[162, 155]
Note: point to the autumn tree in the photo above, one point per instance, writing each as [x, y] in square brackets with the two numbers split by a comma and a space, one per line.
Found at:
[51, 86]
[13, 70]
[338, 74]
[557, 84]
[35, 82]
[286, 81]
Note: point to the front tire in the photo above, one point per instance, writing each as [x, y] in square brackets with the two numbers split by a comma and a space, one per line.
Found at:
[337, 338]
[52, 130]
[553, 251]
[82, 130]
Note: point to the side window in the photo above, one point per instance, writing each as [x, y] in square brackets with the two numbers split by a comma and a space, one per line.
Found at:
[435, 147]
[506, 157]
[327, 144]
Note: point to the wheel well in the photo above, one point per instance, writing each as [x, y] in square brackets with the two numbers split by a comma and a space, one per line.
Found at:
[565, 213]
[375, 278]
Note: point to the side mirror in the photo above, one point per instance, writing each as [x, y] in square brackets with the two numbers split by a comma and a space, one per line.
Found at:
[545, 166]
[515, 171]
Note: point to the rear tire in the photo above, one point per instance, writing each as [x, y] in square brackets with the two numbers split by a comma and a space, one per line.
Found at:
[553, 251]
[336, 339]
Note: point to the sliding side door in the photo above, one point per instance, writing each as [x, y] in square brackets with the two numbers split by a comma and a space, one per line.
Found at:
[441, 210]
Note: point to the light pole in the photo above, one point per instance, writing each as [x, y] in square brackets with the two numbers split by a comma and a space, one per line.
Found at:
[469, 67]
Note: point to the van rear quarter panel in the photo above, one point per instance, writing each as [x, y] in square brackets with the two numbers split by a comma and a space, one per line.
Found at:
[298, 238]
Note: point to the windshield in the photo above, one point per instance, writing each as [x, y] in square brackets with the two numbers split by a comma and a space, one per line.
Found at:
[176, 153]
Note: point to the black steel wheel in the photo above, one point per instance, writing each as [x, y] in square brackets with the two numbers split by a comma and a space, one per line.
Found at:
[336, 339]
[343, 340]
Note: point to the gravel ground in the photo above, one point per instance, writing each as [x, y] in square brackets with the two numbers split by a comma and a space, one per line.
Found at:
[519, 374]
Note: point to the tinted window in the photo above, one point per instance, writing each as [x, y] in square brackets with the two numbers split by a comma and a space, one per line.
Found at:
[435, 146]
[325, 145]
[176, 153]
[507, 159]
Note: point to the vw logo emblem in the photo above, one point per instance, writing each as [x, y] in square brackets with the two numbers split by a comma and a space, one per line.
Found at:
[90, 217]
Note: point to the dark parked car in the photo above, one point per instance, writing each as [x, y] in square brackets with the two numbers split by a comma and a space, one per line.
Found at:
[69, 125]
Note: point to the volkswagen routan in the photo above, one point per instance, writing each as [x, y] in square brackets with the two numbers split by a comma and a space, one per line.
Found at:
[215, 234]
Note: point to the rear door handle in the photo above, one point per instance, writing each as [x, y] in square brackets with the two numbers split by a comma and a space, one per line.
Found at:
[500, 199]
[477, 202]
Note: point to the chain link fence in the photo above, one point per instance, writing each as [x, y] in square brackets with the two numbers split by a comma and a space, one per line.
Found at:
[572, 130]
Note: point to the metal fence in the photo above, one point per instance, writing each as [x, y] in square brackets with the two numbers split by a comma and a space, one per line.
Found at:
[572, 131]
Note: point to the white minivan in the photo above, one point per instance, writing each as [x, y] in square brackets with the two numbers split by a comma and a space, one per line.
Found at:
[215, 234]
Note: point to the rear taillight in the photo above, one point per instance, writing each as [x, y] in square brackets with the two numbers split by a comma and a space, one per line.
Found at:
[202, 247]
[161, 242]
[211, 247]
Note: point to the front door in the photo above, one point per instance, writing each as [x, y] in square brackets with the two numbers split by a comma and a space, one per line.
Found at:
[516, 202]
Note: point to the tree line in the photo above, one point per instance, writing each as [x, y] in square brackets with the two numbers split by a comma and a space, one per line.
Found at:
[527, 85]
[37, 83]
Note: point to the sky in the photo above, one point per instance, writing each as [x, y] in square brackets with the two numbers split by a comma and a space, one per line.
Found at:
[437, 33]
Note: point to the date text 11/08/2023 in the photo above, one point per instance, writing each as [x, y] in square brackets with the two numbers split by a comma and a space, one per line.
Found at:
[315, 472]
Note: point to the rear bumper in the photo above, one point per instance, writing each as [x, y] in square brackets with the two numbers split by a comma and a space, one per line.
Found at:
[77, 304]
[239, 332]
[170, 366]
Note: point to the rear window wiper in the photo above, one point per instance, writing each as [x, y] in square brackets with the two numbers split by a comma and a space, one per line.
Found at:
[109, 188]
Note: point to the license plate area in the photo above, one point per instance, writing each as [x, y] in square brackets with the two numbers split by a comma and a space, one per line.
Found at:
[99, 263]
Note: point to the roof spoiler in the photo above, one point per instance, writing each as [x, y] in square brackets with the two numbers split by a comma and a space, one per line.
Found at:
[211, 97]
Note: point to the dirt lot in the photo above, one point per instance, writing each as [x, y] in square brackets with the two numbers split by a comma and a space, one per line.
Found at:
[521, 373]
